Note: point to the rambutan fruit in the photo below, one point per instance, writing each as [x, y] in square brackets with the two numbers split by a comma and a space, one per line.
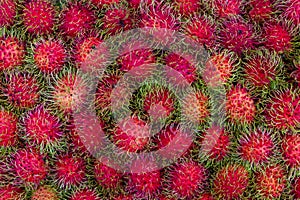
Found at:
[104, 3]
[187, 179]
[12, 53]
[219, 68]
[77, 20]
[44, 193]
[206, 196]
[195, 107]
[131, 134]
[29, 165]
[261, 68]
[124, 197]
[183, 70]
[290, 147]
[107, 175]
[236, 34]
[256, 147]
[240, 106]
[225, 8]
[50, 56]
[42, 127]
[8, 128]
[292, 11]
[39, 17]
[276, 37]
[283, 110]
[260, 10]
[8, 11]
[216, 142]
[270, 182]
[187, 7]
[10, 192]
[297, 188]
[22, 90]
[117, 20]
[206, 35]
[85, 194]
[230, 182]
[158, 103]
[70, 170]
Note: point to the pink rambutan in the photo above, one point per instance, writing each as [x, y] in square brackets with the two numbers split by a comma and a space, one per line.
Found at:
[42, 127]
[159, 103]
[225, 8]
[49, 56]
[291, 150]
[30, 166]
[236, 34]
[12, 52]
[85, 194]
[230, 182]
[77, 20]
[260, 10]
[39, 17]
[271, 181]
[187, 178]
[297, 188]
[240, 106]
[292, 11]
[132, 134]
[8, 12]
[8, 128]
[44, 193]
[117, 20]
[21, 89]
[70, 170]
[202, 30]
[283, 110]
[256, 147]
[10, 192]
[187, 7]
[216, 142]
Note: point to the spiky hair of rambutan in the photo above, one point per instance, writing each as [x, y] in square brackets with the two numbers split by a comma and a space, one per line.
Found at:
[44, 192]
[296, 189]
[84, 194]
[187, 7]
[8, 11]
[224, 9]
[292, 11]
[104, 3]
[9, 192]
[8, 128]
[290, 148]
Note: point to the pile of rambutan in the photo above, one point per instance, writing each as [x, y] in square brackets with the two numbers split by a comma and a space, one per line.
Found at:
[90, 112]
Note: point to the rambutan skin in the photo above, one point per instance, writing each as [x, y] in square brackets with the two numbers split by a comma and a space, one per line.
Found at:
[260, 10]
[297, 188]
[223, 8]
[291, 150]
[85, 194]
[7, 12]
[44, 193]
[39, 17]
[10, 192]
[187, 7]
[8, 128]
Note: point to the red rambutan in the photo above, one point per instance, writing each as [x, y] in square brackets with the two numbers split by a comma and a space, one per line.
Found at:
[101, 3]
[7, 12]
[292, 11]
[30, 166]
[260, 10]
[39, 17]
[124, 197]
[12, 53]
[8, 128]
[206, 196]
[187, 178]
[270, 182]
[291, 150]
[49, 56]
[85, 194]
[44, 193]
[240, 106]
[225, 8]
[9, 192]
[231, 181]
[297, 188]
[187, 7]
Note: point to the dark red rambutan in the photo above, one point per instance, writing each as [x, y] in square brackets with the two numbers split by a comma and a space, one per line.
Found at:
[240, 106]
[159, 103]
[8, 11]
[230, 182]
[187, 178]
[12, 52]
[29, 165]
[219, 68]
[39, 17]
[85, 194]
[291, 150]
[260, 10]
[21, 89]
[297, 188]
[236, 34]
[256, 147]
[101, 3]
[216, 142]
[8, 128]
[117, 20]
[187, 7]
[202, 30]
[270, 182]
[77, 20]
[10, 192]
[42, 127]
[225, 8]
[49, 56]
[182, 69]
[106, 174]
[206, 196]
[261, 68]
[283, 110]
[131, 134]
[276, 37]
[44, 193]
[135, 4]
[292, 11]
[70, 170]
